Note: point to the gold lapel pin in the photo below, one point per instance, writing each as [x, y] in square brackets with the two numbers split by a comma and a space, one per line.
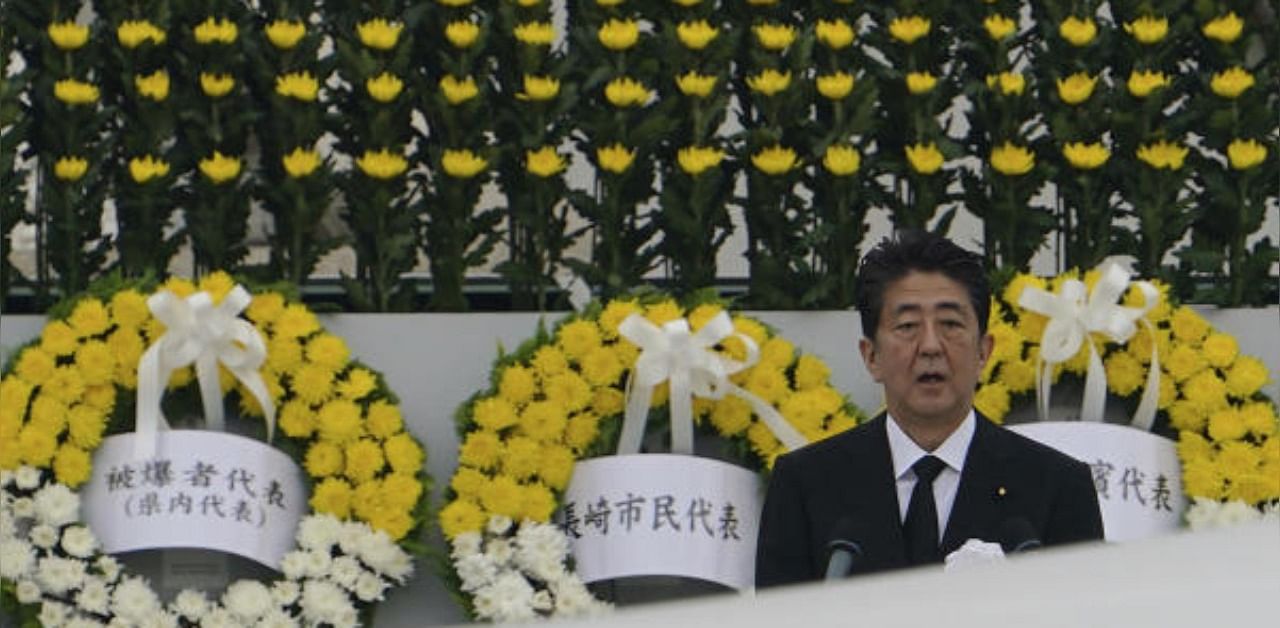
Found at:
[1000, 492]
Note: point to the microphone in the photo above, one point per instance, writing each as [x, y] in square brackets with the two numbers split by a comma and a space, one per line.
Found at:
[845, 549]
[1017, 536]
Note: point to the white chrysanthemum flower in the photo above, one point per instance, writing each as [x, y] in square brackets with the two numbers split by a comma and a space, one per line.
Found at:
[324, 602]
[78, 541]
[159, 618]
[498, 524]
[318, 563]
[319, 532]
[133, 600]
[352, 532]
[94, 596]
[572, 597]
[8, 521]
[108, 566]
[57, 505]
[277, 618]
[285, 592]
[540, 550]
[80, 621]
[7, 477]
[27, 591]
[369, 588]
[500, 551]
[53, 613]
[58, 575]
[383, 555]
[17, 558]
[542, 601]
[219, 617]
[191, 604]
[24, 508]
[1237, 512]
[345, 571]
[476, 571]
[26, 478]
[465, 544]
[509, 598]
[247, 600]
[295, 565]
[1202, 514]
[44, 536]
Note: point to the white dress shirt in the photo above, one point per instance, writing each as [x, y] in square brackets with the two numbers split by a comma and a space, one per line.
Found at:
[905, 452]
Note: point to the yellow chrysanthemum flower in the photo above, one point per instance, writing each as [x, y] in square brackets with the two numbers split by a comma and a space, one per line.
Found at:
[300, 162]
[1010, 159]
[539, 88]
[458, 90]
[1224, 29]
[835, 86]
[615, 158]
[461, 516]
[1246, 154]
[841, 160]
[696, 35]
[70, 168]
[384, 87]
[920, 82]
[462, 33]
[1076, 88]
[332, 496]
[772, 36]
[545, 162]
[908, 29]
[462, 164]
[769, 82]
[132, 33]
[775, 160]
[1078, 31]
[382, 164]
[323, 459]
[1148, 29]
[695, 160]
[999, 27]
[1084, 156]
[146, 168]
[1163, 155]
[1189, 326]
[626, 92]
[73, 92]
[1007, 83]
[220, 168]
[403, 454]
[154, 86]
[924, 158]
[379, 34]
[298, 85]
[285, 34]
[692, 83]
[68, 35]
[835, 34]
[216, 30]
[1246, 376]
[216, 85]
[1143, 82]
[1232, 82]
[535, 33]
[618, 35]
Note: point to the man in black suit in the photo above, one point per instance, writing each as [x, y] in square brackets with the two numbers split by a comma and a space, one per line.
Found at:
[929, 463]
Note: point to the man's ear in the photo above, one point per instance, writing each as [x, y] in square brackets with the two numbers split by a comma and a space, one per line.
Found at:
[986, 344]
[868, 349]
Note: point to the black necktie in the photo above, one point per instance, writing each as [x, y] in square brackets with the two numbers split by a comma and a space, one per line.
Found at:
[920, 528]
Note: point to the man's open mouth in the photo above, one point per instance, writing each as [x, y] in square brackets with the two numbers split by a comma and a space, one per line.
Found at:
[930, 378]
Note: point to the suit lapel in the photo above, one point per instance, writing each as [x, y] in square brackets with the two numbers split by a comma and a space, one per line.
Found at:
[976, 505]
[873, 490]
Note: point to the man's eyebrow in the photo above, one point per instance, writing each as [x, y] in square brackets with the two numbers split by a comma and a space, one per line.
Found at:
[950, 306]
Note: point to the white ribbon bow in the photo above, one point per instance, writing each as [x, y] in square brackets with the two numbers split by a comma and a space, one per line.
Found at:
[198, 332]
[688, 361]
[1073, 315]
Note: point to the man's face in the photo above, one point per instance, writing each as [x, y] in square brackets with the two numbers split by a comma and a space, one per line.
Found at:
[927, 352]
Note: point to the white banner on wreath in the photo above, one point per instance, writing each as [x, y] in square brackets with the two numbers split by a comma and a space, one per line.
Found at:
[202, 489]
[1136, 474]
[663, 514]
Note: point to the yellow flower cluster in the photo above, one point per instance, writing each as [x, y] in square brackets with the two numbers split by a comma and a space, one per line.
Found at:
[65, 389]
[550, 403]
[1229, 432]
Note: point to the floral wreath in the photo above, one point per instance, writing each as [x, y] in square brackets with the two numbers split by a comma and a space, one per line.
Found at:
[562, 396]
[1207, 390]
[62, 393]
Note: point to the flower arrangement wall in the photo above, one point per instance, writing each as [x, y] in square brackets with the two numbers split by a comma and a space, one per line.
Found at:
[640, 131]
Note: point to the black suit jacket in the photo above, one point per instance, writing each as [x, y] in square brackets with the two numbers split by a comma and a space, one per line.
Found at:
[1005, 476]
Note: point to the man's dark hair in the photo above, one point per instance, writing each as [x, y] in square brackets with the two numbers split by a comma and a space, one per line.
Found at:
[915, 250]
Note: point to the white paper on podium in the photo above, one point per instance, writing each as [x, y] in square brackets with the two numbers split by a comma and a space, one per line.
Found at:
[663, 514]
[203, 489]
[1136, 473]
